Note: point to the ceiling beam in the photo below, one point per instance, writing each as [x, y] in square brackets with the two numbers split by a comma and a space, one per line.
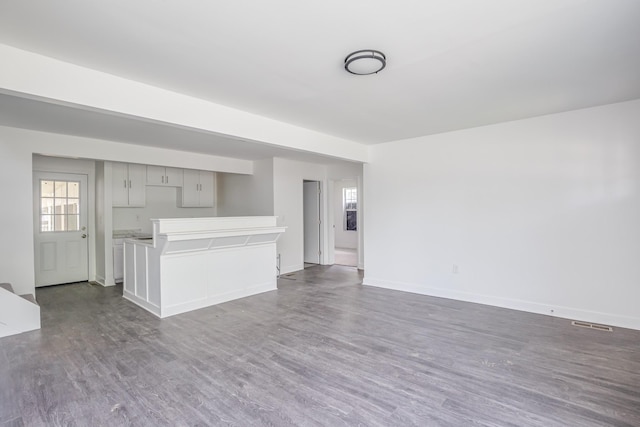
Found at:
[40, 77]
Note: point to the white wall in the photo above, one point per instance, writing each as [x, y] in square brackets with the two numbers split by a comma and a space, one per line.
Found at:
[16, 244]
[242, 195]
[288, 176]
[162, 202]
[275, 188]
[540, 214]
[343, 238]
[17, 147]
[100, 210]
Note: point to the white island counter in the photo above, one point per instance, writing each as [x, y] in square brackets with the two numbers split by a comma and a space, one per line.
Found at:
[192, 263]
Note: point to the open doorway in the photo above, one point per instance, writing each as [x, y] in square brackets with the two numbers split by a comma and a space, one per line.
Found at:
[345, 222]
[312, 223]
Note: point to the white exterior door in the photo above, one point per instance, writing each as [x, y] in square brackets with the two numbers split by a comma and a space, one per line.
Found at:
[60, 228]
[311, 196]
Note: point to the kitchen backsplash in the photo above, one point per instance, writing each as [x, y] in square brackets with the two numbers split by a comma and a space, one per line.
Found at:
[161, 202]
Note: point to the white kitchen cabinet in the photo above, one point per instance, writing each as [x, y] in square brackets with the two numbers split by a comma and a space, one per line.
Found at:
[207, 189]
[198, 189]
[164, 176]
[128, 185]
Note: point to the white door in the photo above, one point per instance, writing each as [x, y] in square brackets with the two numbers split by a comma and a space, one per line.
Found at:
[311, 222]
[60, 228]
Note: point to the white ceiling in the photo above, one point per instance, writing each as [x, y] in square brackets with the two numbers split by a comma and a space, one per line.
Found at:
[452, 64]
[44, 116]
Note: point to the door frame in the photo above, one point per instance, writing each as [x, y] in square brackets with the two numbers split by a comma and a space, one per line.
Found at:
[322, 219]
[66, 165]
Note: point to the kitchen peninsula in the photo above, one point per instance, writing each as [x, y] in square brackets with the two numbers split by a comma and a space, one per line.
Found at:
[191, 263]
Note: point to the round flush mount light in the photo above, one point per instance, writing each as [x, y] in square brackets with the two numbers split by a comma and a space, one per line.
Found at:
[364, 62]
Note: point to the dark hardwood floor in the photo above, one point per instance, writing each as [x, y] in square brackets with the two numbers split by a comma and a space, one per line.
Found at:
[322, 350]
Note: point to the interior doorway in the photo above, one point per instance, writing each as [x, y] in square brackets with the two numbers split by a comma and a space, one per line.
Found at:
[312, 222]
[345, 222]
[60, 228]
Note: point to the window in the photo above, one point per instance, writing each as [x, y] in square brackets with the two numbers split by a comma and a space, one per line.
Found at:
[350, 205]
[59, 205]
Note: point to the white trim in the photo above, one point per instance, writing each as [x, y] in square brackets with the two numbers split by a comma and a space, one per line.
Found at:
[513, 304]
[199, 303]
[172, 310]
[291, 268]
[140, 302]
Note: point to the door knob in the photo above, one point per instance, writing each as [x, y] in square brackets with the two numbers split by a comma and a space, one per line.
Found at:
[84, 236]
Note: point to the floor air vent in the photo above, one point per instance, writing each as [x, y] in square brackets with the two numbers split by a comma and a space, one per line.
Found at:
[592, 326]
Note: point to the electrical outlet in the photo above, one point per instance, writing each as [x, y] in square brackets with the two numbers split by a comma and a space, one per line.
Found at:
[455, 269]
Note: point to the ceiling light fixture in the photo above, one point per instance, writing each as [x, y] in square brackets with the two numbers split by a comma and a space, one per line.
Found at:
[364, 62]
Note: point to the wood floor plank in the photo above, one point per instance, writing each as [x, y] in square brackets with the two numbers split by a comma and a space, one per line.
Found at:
[322, 350]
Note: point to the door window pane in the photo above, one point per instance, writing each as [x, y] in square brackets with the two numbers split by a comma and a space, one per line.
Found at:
[46, 223]
[61, 189]
[73, 206]
[46, 188]
[46, 205]
[73, 189]
[60, 222]
[59, 206]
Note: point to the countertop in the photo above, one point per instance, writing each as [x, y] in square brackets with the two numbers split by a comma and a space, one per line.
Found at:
[128, 234]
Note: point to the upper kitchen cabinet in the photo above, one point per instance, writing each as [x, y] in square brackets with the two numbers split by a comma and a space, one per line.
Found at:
[128, 184]
[198, 189]
[163, 176]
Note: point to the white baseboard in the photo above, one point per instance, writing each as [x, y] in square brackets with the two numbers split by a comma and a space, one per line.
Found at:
[185, 307]
[514, 304]
[291, 268]
[151, 308]
[102, 281]
[210, 300]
